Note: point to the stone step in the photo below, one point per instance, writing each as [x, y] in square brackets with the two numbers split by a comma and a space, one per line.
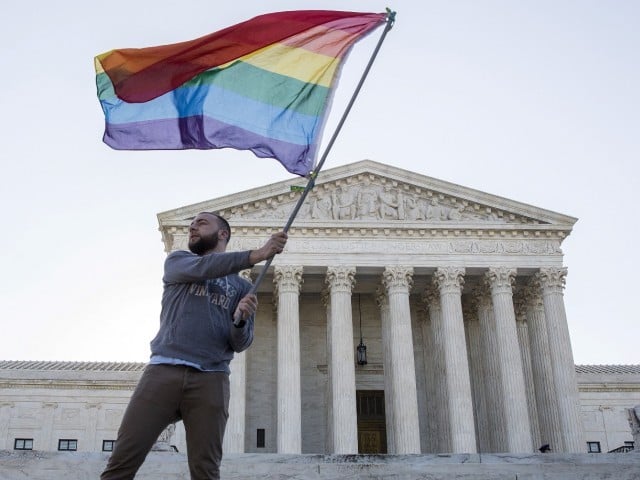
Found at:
[34, 465]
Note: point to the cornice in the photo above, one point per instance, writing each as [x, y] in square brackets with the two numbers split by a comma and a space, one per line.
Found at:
[69, 384]
[397, 228]
[389, 228]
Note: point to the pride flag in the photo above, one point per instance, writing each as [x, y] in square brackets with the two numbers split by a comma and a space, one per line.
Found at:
[263, 85]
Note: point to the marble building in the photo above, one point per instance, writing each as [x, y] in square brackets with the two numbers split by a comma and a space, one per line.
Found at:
[457, 295]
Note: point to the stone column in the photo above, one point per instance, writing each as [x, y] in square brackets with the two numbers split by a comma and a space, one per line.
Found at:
[340, 281]
[234, 436]
[398, 281]
[430, 432]
[288, 281]
[476, 370]
[516, 416]
[449, 281]
[325, 299]
[564, 370]
[49, 411]
[440, 406]
[424, 376]
[525, 350]
[491, 366]
[543, 383]
[90, 443]
[5, 419]
[385, 322]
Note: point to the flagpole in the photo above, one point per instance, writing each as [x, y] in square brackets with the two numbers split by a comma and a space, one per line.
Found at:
[391, 17]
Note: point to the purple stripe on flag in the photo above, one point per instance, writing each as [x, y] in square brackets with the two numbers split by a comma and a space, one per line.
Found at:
[200, 132]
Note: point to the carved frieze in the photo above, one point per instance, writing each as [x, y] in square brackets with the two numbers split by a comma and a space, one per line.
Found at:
[409, 246]
[373, 198]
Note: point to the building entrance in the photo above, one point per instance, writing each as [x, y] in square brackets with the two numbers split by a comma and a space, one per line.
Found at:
[372, 430]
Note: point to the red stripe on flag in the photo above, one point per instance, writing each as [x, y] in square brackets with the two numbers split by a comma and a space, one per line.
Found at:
[139, 75]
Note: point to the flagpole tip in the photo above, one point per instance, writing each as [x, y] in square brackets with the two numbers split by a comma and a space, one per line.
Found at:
[391, 16]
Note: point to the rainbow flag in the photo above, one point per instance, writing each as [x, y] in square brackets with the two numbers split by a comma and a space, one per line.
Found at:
[263, 85]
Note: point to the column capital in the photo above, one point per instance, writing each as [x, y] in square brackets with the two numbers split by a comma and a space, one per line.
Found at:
[430, 295]
[288, 278]
[397, 276]
[449, 279]
[470, 310]
[500, 279]
[381, 297]
[520, 305]
[482, 295]
[325, 297]
[532, 293]
[552, 279]
[341, 279]
[246, 274]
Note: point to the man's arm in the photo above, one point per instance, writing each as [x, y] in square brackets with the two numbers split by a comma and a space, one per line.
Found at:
[273, 246]
[185, 267]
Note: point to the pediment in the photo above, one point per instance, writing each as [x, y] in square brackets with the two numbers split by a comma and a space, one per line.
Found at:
[368, 192]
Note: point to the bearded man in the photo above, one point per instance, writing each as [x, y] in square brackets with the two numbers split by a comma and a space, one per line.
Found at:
[187, 377]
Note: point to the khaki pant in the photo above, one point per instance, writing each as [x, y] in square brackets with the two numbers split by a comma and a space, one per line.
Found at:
[166, 394]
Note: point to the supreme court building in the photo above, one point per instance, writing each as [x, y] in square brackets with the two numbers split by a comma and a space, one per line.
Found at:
[460, 298]
[457, 295]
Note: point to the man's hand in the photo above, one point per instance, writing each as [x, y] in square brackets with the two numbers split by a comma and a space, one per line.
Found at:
[274, 245]
[246, 307]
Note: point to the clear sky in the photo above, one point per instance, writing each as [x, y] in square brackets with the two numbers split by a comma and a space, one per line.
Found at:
[537, 101]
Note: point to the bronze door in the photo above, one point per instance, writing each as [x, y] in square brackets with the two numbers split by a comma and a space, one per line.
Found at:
[372, 432]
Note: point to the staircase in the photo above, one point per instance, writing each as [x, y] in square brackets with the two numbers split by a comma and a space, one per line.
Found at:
[34, 465]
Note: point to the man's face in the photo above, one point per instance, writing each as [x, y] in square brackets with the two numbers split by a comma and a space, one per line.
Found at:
[203, 233]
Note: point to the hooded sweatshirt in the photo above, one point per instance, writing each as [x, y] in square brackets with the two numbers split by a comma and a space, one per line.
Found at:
[201, 293]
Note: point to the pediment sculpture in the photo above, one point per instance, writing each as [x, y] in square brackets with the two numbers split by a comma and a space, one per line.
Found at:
[371, 201]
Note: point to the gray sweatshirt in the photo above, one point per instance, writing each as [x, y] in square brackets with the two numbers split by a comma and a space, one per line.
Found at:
[200, 295]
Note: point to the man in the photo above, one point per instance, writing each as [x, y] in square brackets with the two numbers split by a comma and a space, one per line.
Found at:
[188, 375]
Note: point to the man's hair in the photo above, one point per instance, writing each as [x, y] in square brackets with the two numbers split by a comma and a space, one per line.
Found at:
[222, 222]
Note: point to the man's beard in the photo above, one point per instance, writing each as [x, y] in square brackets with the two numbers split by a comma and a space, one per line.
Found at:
[204, 244]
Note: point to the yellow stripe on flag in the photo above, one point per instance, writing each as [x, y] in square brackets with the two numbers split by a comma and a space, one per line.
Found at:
[294, 62]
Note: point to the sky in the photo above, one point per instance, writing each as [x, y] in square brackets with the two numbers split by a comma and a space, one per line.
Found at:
[536, 101]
